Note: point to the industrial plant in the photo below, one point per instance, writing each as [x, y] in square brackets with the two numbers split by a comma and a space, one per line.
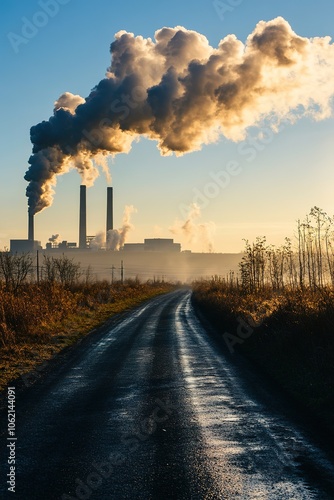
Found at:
[86, 242]
[153, 245]
[155, 258]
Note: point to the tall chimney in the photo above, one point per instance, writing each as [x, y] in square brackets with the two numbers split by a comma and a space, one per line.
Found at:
[83, 219]
[110, 211]
[31, 235]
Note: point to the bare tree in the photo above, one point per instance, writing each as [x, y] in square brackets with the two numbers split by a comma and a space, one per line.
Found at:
[14, 269]
[253, 265]
[49, 269]
[62, 270]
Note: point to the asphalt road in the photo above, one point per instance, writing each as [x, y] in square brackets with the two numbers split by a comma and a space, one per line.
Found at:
[149, 408]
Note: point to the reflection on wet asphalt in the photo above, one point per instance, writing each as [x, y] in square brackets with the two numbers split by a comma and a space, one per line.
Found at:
[151, 408]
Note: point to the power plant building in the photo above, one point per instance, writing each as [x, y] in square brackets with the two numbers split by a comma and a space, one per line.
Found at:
[24, 246]
[153, 245]
[85, 242]
[29, 245]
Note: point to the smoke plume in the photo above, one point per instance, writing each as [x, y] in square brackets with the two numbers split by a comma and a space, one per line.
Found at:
[117, 237]
[194, 231]
[182, 93]
[98, 242]
[54, 238]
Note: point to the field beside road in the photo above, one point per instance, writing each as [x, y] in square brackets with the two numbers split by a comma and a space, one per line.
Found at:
[287, 333]
[150, 407]
[39, 320]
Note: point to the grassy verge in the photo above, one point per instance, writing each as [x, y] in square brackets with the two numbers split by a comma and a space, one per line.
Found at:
[40, 321]
[289, 335]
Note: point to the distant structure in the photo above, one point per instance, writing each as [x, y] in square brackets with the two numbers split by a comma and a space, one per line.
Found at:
[133, 247]
[24, 246]
[31, 227]
[64, 245]
[87, 242]
[110, 214]
[29, 245]
[83, 219]
[153, 245]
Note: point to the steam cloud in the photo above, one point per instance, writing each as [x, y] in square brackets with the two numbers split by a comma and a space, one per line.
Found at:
[54, 238]
[183, 93]
[194, 231]
[117, 237]
[98, 241]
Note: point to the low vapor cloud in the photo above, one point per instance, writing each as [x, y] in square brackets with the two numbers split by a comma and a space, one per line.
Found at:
[117, 237]
[194, 231]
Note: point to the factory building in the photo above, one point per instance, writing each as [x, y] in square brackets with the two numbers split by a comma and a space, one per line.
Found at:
[24, 246]
[87, 242]
[64, 245]
[153, 245]
[161, 245]
[30, 244]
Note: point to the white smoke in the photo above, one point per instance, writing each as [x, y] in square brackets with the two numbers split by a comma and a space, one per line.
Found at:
[98, 242]
[117, 237]
[54, 238]
[68, 102]
[182, 93]
[194, 231]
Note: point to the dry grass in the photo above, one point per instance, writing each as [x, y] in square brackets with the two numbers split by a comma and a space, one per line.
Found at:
[292, 337]
[39, 321]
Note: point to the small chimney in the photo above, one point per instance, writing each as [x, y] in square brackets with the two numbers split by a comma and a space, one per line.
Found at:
[31, 235]
[83, 219]
[110, 211]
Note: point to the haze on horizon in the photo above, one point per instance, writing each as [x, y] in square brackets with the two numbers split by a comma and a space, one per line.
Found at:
[233, 107]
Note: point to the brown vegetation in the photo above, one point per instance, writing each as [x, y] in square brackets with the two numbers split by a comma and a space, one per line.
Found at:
[38, 319]
[284, 299]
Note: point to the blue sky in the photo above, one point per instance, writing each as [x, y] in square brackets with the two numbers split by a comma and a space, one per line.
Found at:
[291, 173]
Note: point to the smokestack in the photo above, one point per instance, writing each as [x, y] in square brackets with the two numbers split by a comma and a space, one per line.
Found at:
[31, 236]
[83, 219]
[110, 211]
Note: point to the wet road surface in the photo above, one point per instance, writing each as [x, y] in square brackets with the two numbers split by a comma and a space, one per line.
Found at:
[151, 408]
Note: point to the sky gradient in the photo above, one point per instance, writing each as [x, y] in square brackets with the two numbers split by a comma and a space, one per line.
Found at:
[269, 188]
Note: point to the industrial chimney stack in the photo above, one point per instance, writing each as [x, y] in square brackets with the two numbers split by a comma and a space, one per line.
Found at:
[31, 235]
[110, 212]
[83, 219]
